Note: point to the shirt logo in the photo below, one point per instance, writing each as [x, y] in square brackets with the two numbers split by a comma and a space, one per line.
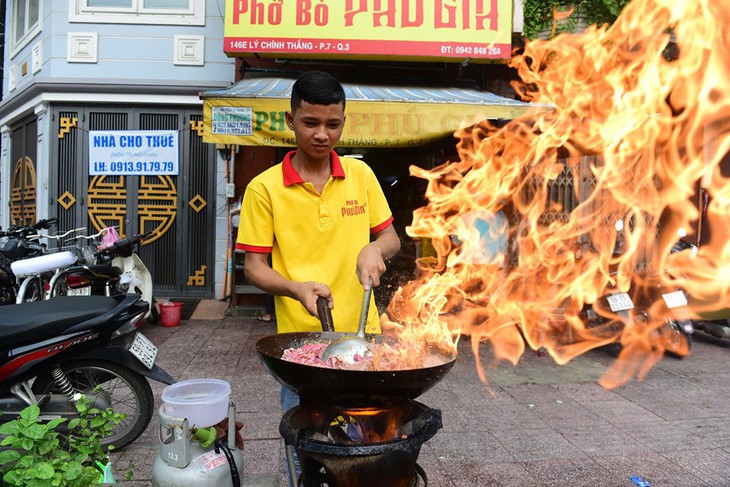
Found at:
[352, 208]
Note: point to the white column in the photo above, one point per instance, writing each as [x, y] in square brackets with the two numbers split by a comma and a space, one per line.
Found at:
[5, 174]
[41, 163]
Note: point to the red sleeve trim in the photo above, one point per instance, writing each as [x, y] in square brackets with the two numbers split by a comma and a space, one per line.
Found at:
[382, 226]
[254, 248]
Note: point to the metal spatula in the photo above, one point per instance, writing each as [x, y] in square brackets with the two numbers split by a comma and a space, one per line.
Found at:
[348, 347]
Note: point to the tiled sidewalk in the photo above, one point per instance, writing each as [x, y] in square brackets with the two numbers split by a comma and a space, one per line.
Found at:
[541, 425]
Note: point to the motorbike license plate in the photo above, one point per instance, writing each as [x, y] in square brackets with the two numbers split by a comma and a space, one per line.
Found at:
[82, 291]
[675, 299]
[144, 350]
[620, 302]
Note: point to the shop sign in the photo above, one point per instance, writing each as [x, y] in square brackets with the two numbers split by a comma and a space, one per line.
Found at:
[375, 29]
[368, 123]
[134, 152]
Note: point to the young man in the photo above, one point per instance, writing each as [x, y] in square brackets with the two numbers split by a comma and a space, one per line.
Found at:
[315, 213]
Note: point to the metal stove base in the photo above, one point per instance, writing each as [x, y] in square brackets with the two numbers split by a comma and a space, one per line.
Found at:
[420, 479]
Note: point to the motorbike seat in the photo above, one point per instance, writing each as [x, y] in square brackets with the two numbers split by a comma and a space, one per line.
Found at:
[106, 270]
[42, 319]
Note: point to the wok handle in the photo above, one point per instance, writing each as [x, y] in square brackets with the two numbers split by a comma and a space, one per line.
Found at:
[325, 314]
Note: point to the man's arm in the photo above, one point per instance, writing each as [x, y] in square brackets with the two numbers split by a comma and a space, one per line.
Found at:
[371, 260]
[260, 274]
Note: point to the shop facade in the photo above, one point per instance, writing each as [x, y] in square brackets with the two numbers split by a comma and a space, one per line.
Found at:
[408, 91]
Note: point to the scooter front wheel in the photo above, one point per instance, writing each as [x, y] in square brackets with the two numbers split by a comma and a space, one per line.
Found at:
[124, 390]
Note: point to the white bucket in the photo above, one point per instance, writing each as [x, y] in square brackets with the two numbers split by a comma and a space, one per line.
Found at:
[204, 402]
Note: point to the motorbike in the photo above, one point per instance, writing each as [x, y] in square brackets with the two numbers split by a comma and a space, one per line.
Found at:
[19, 245]
[616, 310]
[108, 270]
[714, 323]
[51, 351]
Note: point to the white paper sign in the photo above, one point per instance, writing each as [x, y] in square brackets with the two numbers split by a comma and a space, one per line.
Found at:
[675, 299]
[620, 302]
[134, 152]
[232, 120]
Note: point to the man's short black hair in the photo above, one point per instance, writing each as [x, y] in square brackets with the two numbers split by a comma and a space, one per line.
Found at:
[317, 88]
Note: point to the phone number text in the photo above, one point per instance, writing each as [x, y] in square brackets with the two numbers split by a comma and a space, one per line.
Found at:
[133, 167]
[476, 50]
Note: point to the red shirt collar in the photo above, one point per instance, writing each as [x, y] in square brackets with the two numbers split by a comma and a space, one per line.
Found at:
[291, 176]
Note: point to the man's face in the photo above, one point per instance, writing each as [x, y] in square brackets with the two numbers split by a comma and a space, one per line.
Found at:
[317, 128]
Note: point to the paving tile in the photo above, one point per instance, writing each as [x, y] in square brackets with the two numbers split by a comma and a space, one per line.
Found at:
[668, 405]
[651, 467]
[534, 394]
[711, 466]
[477, 474]
[666, 436]
[586, 392]
[602, 440]
[137, 460]
[716, 431]
[620, 411]
[436, 471]
[579, 370]
[261, 424]
[502, 417]
[539, 425]
[530, 445]
[567, 413]
[476, 446]
[575, 472]
[262, 456]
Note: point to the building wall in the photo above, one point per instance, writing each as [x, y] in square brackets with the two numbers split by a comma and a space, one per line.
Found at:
[68, 51]
[132, 61]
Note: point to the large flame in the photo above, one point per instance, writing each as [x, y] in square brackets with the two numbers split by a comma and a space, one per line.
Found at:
[636, 128]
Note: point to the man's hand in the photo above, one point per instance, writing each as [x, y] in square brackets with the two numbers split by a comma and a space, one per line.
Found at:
[308, 292]
[260, 274]
[370, 265]
[372, 257]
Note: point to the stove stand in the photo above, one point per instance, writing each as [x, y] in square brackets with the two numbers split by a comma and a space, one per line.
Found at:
[360, 447]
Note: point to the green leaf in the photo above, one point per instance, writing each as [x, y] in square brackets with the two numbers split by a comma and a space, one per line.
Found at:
[9, 441]
[12, 478]
[30, 413]
[47, 446]
[44, 470]
[97, 422]
[26, 461]
[74, 423]
[26, 444]
[10, 428]
[8, 456]
[36, 431]
[52, 424]
[73, 471]
[82, 457]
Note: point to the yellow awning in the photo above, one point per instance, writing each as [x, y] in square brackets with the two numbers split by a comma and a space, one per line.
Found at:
[251, 112]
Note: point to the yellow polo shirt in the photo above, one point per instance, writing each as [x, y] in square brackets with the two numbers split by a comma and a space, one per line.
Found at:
[315, 237]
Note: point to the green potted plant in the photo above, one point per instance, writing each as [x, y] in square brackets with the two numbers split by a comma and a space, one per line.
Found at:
[35, 454]
[540, 15]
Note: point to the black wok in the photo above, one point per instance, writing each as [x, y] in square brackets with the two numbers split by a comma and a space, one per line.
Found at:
[345, 388]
